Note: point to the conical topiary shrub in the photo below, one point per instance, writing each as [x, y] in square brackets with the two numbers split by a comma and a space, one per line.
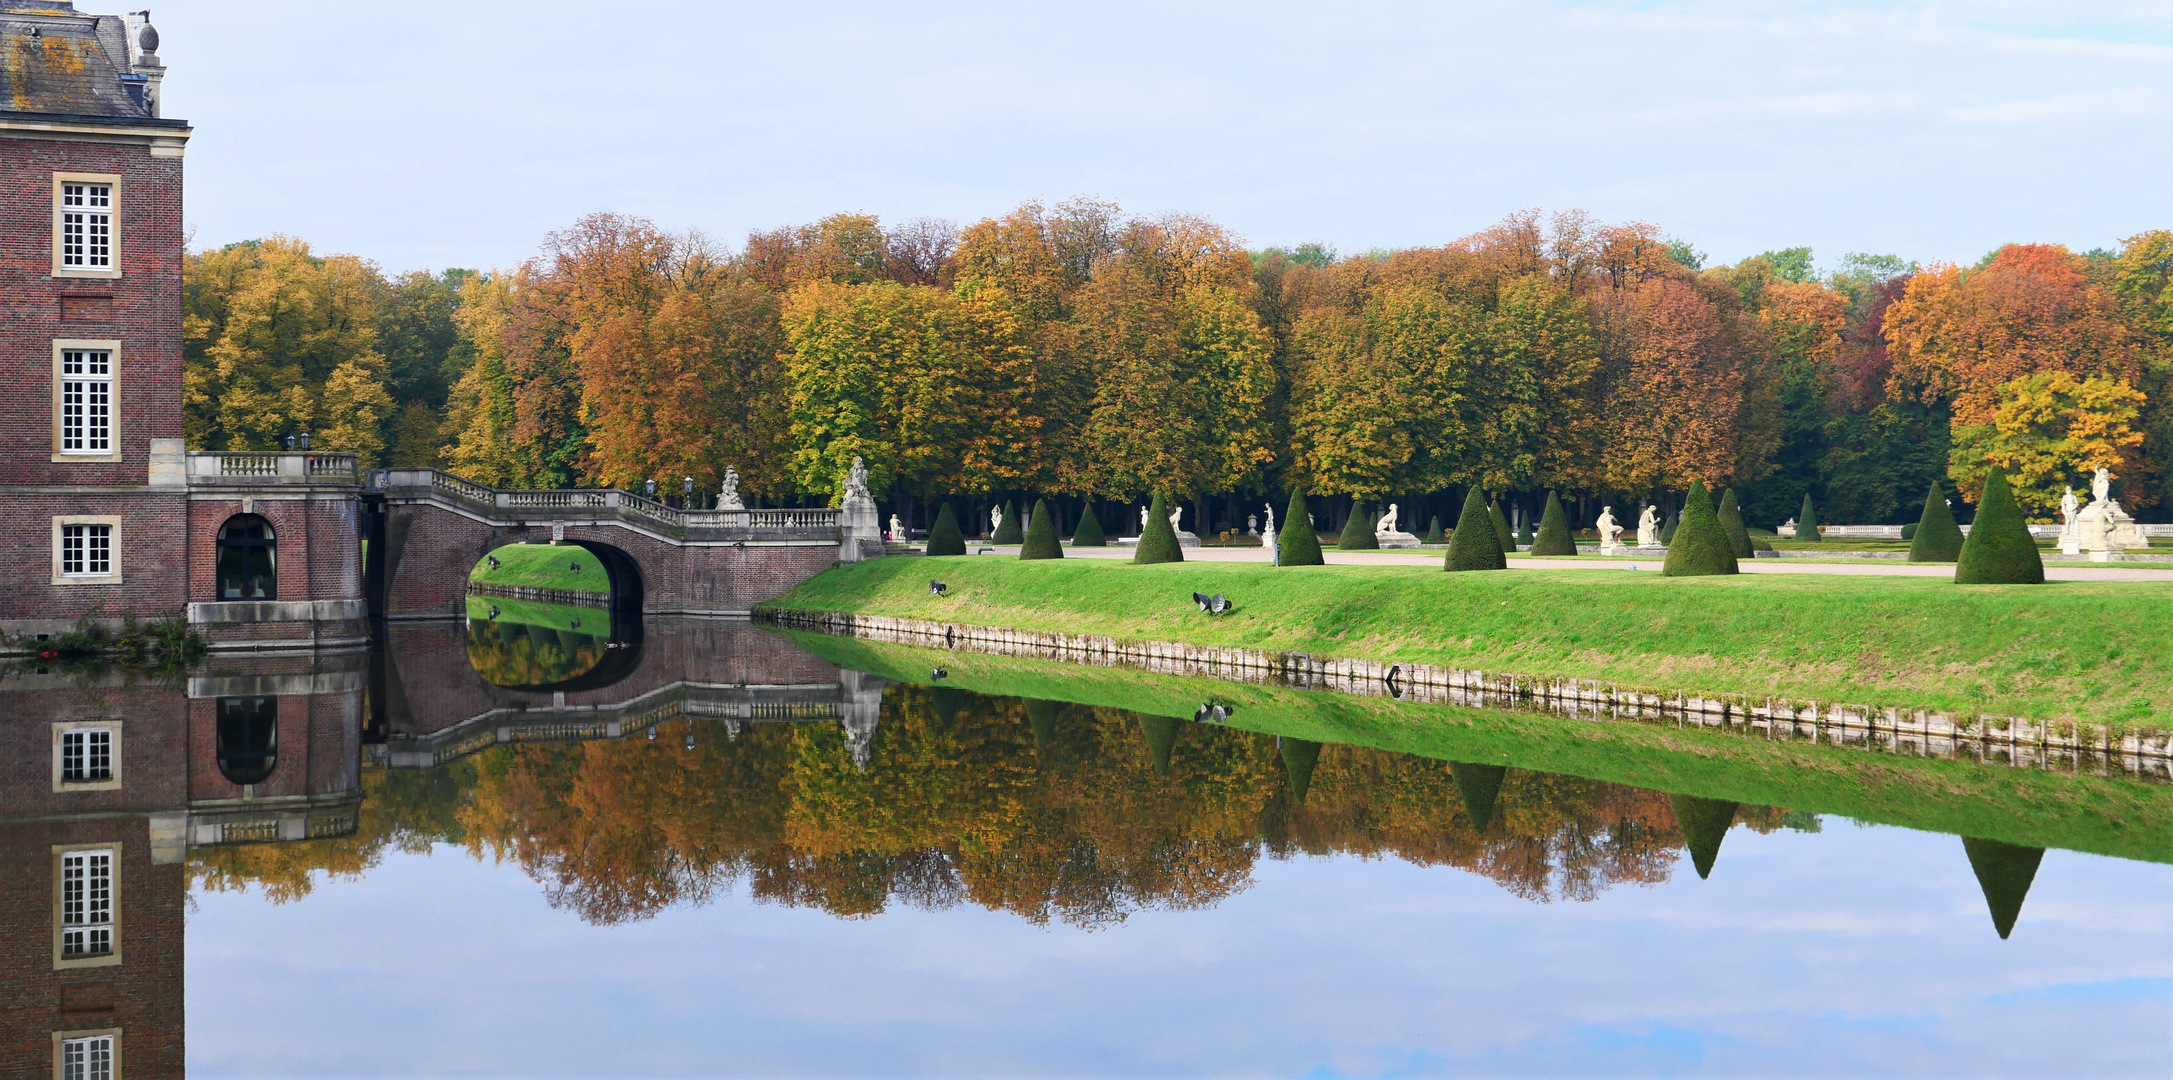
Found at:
[1475, 545]
[2004, 871]
[1999, 550]
[1704, 824]
[1296, 542]
[1299, 757]
[1041, 540]
[1731, 522]
[1479, 786]
[1007, 531]
[1937, 538]
[1158, 542]
[1358, 530]
[1553, 537]
[1501, 527]
[1701, 545]
[1161, 734]
[1525, 535]
[1667, 530]
[1433, 533]
[944, 538]
[1089, 532]
[1807, 522]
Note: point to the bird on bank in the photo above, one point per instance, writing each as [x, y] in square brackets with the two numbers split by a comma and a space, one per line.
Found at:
[937, 588]
[937, 674]
[1213, 605]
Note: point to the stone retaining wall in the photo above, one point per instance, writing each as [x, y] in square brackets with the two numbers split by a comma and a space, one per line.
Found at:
[1990, 739]
[573, 597]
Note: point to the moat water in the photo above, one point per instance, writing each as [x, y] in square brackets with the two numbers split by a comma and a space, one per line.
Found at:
[713, 852]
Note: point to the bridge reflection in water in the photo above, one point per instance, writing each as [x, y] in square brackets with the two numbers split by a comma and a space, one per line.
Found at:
[627, 777]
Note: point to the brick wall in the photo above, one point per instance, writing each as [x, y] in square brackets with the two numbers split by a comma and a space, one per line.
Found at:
[319, 553]
[142, 308]
[154, 569]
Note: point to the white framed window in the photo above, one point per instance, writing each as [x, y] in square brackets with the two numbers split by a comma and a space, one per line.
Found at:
[86, 376]
[87, 550]
[87, 755]
[86, 401]
[87, 1055]
[86, 230]
[87, 917]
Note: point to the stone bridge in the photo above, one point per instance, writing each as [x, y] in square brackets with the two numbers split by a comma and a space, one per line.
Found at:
[433, 707]
[429, 529]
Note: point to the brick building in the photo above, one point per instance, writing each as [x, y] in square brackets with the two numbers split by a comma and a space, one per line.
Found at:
[103, 513]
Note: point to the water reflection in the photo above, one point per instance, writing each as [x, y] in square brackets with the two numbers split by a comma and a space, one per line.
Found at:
[718, 760]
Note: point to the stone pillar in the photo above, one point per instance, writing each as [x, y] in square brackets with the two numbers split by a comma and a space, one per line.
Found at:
[860, 535]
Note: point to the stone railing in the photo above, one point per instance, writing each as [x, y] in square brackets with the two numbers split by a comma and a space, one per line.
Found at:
[584, 505]
[249, 468]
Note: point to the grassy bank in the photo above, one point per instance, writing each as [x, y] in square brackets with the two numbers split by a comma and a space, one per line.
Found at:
[2107, 816]
[543, 566]
[594, 621]
[2093, 651]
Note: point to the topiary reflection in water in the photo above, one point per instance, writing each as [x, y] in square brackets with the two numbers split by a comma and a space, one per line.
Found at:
[531, 644]
[1051, 811]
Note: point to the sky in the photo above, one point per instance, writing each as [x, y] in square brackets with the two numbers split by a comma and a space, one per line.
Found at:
[460, 134]
[1852, 951]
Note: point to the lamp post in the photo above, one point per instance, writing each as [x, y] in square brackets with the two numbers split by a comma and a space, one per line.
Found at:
[290, 444]
[649, 487]
[305, 441]
[688, 502]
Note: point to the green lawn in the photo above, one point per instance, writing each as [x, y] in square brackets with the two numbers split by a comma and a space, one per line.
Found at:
[2093, 651]
[2108, 815]
[544, 566]
[594, 621]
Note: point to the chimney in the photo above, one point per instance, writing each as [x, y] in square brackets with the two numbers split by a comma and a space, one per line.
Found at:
[143, 47]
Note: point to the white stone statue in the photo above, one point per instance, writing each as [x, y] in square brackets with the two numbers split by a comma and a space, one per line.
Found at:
[1610, 532]
[2102, 486]
[856, 480]
[995, 519]
[1143, 521]
[1252, 524]
[2067, 505]
[1648, 528]
[2070, 526]
[1176, 512]
[2102, 527]
[897, 528]
[1273, 542]
[1387, 524]
[728, 495]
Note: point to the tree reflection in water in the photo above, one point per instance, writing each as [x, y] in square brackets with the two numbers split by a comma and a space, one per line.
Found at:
[1053, 812]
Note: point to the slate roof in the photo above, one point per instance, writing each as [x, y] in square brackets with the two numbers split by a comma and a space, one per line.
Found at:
[55, 59]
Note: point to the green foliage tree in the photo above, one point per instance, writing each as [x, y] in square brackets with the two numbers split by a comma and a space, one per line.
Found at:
[1999, 549]
[1041, 542]
[1296, 542]
[2004, 871]
[1553, 537]
[1475, 545]
[1358, 530]
[1501, 527]
[1158, 542]
[1937, 538]
[1807, 522]
[1089, 533]
[1704, 824]
[1433, 532]
[1007, 530]
[1731, 522]
[944, 537]
[1701, 546]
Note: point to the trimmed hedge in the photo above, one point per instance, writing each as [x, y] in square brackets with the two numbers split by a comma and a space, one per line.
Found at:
[1501, 527]
[1158, 542]
[2004, 871]
[1935, 537]
[1041, 542]
[1299, 757]
[1731, 522]
[1807, 522]
[1999, 550]
[1433, 533]
[1704, 824]
[1007, 531]
[1296, 541]
[1669, 527]
[1089, 532]
[1358, 531]
[1553, 537]
[1475, 545]
[1478, 786]
[1701, 545]
[944, 537]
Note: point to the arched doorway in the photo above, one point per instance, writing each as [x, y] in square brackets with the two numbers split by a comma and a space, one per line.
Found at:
[247, 562]
[246, 740]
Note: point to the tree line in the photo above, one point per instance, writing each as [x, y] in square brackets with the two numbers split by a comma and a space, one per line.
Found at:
[1092, 357]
